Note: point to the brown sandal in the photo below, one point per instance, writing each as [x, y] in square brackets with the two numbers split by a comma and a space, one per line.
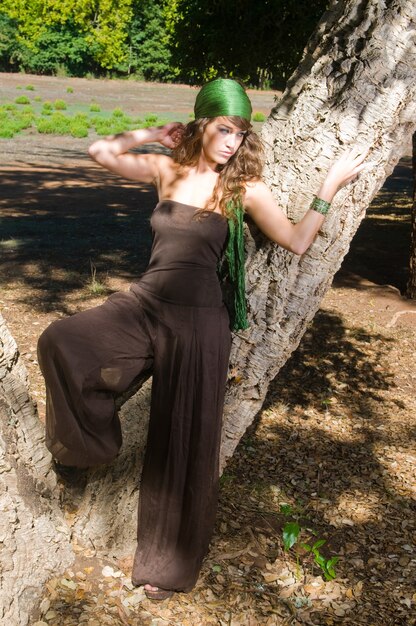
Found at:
[158, 593]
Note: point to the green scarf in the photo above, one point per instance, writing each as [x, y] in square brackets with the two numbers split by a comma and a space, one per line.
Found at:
[235, 259]
[226, 97]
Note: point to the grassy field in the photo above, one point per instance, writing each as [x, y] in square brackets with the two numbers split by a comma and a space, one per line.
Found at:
[73, 107]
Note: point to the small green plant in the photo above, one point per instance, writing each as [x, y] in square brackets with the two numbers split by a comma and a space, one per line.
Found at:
[30, 88]
[326, 565]
[117, 113]
[11, 243]
[150, 120]
[258, 116]
[78, 129]
[69, 90]
[37, 99]
[83, 118]
[22, 100]
[95, 287]
[47, 106]
[291, 533]
[94, 107]
[60, 105]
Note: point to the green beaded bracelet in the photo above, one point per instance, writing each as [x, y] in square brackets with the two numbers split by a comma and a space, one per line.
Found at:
[321, 206]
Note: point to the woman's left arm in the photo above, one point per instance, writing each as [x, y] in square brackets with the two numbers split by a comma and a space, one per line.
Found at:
[261, 206]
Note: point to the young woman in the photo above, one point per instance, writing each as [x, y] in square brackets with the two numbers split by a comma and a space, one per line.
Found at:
[174, 322]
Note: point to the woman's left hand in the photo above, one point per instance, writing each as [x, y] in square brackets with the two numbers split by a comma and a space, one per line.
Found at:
[347, 168]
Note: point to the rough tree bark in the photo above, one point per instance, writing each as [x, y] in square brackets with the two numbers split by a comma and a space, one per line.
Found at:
[34, 539]
[355, 84]
[411, 284]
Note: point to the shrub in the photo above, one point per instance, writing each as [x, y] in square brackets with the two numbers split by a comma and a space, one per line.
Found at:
[258, 116]
[13, 122]
[82, 118]
[60, 105]
[78, 129]
[30, 88]
[150, 119]
[22, 100]
[69, 90]
[37, 99]
[110, 126]
[23, 119]
[47, 105]
[94, 107]
[6, 131]
[118, 113]
[57, 124]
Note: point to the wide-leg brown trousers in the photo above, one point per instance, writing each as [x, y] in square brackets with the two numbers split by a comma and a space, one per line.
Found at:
[91, 357]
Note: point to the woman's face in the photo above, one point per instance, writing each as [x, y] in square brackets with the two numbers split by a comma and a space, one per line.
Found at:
[221, 140]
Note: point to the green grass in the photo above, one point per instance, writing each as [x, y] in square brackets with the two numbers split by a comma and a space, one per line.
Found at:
[13, 121]
[10, 244]
[60, 124]
[30, 88]
[69, 90]
[58, 118]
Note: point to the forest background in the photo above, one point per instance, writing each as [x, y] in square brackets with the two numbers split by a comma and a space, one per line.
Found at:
[187, 41]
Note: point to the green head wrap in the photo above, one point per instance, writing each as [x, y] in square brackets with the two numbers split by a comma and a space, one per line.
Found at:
[222, 97]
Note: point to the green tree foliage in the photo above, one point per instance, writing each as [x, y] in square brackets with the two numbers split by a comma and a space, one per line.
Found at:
[10, 49]
[260, 42]
[60, 48]
[187, 40]
[99, 28]
[149, 55]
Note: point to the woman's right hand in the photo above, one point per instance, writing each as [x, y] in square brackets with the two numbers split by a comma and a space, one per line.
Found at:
[170, 134]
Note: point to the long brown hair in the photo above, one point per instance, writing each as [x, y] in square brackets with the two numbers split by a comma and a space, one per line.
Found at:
[244, 166]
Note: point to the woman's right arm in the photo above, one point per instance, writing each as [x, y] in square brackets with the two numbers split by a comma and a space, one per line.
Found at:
[113, 152]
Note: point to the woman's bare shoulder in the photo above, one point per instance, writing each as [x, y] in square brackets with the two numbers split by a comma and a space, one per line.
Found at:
[256, 192]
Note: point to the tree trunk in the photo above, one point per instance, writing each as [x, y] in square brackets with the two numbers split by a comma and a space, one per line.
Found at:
[35, 541]
[355, 84]
[411, 285]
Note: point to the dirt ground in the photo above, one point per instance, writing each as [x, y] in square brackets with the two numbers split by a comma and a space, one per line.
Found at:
[335, 438]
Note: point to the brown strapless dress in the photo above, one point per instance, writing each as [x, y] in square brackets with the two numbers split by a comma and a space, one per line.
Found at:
[172, 321]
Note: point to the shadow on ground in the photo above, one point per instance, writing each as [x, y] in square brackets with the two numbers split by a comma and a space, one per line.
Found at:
[323, 445]
[58, 224]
